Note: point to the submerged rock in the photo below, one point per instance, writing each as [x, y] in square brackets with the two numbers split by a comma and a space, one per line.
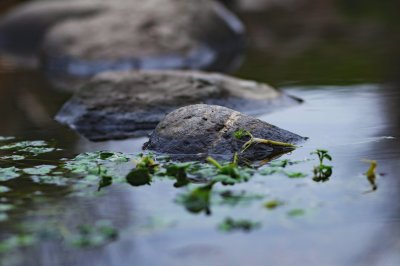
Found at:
[85, 37]
[197, 131]
[125, 104]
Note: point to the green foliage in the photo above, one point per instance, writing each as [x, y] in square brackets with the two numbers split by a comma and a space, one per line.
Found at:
[296, 212]
[241, 133]
[230, 225]
[232, 198]
[9, 173]
[30, 147]
[4, 139]
[39, 170]
[179, 172]
[273, 204]
[371, 173]
[93, 236]
[16, 241]
[230, 173]
[13, 157]
[142, 174]
[4, 189]
[139, 177]
[295, 174]
[197, 200]
[322, 172]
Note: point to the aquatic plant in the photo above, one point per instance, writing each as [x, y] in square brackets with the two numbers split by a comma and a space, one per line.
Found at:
[371, 173]
[322, 172]
[241, 133]
[230, 225]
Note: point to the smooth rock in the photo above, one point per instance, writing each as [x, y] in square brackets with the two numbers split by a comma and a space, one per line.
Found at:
[151, 34]
[197, 131]
[124, 104]
[85, 37]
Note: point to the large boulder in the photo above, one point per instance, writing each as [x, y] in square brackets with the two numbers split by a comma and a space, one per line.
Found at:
[90, 36]
[197, 131]
[125, 104]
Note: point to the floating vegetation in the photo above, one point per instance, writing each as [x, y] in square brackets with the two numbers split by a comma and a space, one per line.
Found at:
[296, 212]
[4, 208]
[273, 204]
[9, 173]
[197, 200]
[243, 198]
[322, 172]
[39, 170]
[4, 189]
[202, 187]
[371, 173]
[99, 234]
[84, 236]
[230, 225]
[16, 241]
[242, 133]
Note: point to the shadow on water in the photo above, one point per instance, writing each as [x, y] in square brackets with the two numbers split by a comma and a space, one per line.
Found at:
[295, 220]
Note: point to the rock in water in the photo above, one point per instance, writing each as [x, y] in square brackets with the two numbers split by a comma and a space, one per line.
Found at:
[124, 104]
[85, 37]
[197, 131]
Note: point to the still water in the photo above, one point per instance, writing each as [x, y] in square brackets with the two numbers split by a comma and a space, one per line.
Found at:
[343, 221]
[338, 222]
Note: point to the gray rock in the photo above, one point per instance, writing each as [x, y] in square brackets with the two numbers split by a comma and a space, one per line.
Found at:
[151, 34]
[124, 104]
[85, 37]
[196, 131]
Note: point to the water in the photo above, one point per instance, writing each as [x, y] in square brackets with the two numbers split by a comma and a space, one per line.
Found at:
[341, 221]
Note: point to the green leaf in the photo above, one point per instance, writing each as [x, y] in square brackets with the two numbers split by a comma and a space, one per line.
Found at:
[273, 204]
[8, 173]
[13, 157]
[4, 189]
[295, 174]
[178, 171]
[39, 170]
[230, 225]
[2, 138]
[105, 181]
[197, 200]
[296, 212]
[241, 133]
[139, 177]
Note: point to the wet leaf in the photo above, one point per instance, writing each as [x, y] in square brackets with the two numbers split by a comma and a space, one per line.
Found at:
[4, 189]
[178, 171]
[9, 173]
[295, 174]
[232, 198]
[93, 235]
[2, 138]
[296, 212]
[5, 207]
[230, 225]
[16, 241]
[139, 177]
[197, 200]
[13, 157]
[49, 180]
[105, 181]
[39, 170]
[273, 204]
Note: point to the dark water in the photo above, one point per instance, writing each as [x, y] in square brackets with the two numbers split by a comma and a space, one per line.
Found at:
[351, 109]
